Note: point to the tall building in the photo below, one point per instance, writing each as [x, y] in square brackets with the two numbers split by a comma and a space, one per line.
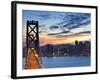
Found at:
[76, 43]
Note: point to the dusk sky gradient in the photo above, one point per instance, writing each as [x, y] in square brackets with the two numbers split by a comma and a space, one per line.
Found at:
[59, 27]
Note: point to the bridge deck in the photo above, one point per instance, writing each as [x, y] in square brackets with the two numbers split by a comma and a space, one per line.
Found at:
[32, 60]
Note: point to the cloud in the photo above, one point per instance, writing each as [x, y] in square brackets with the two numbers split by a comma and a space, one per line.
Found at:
[37, 15]
[43, 16]
[59, 33]
[54, 27]
[42, 25]
[75, 20]
[84, 32]
[75, 34]
[79, 24]
[80, 28]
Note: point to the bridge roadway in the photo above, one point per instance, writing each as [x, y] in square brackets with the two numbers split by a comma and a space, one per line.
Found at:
[32, 59]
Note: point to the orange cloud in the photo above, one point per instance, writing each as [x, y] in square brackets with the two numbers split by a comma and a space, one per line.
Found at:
[62, 40]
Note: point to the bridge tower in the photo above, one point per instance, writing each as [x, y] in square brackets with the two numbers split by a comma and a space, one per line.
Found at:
[32, 45]
[32, 37]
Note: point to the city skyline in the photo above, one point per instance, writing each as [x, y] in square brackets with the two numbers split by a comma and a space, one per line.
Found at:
[79, 48]
[59, 27]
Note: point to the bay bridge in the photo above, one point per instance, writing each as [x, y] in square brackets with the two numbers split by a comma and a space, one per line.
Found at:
[32, 57]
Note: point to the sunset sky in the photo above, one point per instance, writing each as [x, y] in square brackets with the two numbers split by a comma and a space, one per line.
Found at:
[59, 27]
